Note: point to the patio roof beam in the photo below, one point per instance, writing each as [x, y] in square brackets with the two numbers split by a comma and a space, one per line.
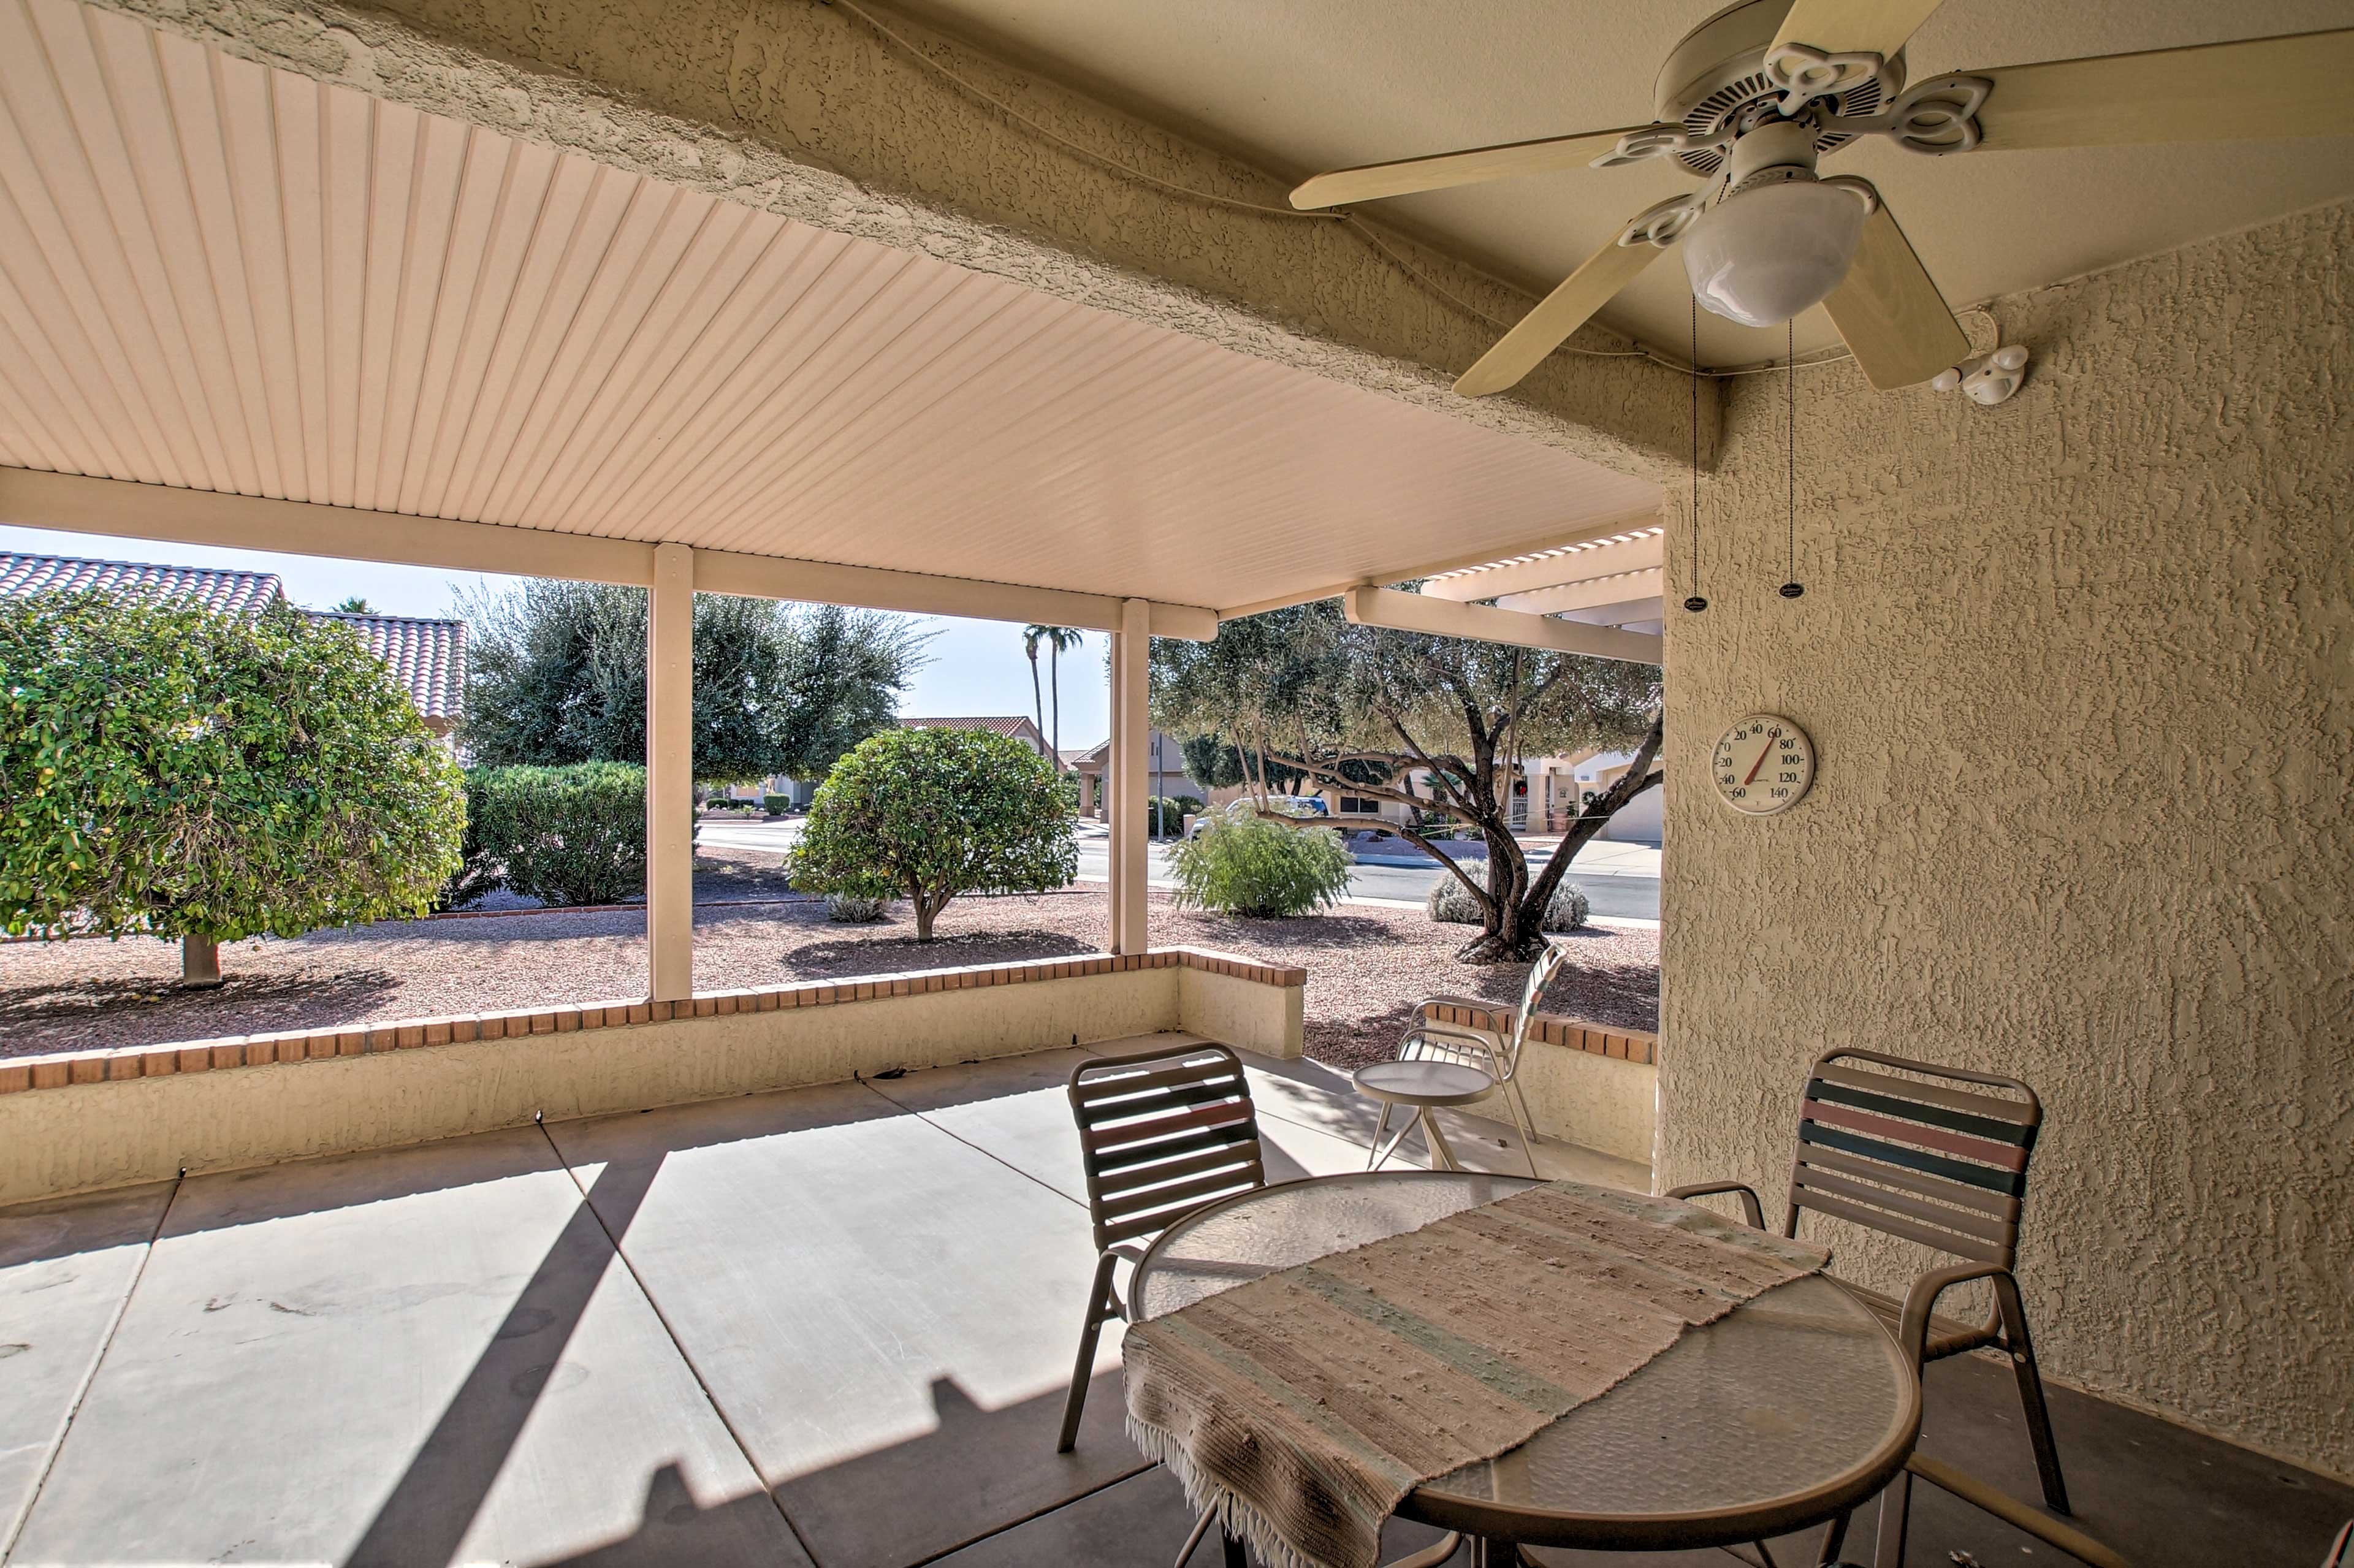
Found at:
[1589, 593]
[76, 503]
[1597, 554]
[1444, 617]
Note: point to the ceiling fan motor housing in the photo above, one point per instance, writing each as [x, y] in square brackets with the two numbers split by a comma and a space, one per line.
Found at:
[1715, 79]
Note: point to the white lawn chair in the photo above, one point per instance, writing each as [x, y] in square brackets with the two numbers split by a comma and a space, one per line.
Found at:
[1443, 1064]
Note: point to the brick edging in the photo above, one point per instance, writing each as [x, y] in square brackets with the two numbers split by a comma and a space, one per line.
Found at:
[1553, 1028]
[65, 1069]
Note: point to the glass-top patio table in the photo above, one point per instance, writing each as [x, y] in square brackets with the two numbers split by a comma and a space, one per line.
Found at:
[1786, 1413]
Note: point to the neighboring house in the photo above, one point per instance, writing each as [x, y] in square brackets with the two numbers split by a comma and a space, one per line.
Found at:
[427, 658]
[1021, 728]
[1167, 774]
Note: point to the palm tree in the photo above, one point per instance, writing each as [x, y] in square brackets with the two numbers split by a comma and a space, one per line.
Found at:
[1031, 637]
[1057, 638]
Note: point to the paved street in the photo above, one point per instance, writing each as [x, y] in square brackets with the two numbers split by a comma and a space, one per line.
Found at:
[1621, 880]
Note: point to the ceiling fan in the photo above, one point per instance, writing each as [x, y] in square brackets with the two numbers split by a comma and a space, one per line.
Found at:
[1751, 99]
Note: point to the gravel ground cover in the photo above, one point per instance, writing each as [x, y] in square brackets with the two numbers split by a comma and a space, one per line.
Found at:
[1367, 965]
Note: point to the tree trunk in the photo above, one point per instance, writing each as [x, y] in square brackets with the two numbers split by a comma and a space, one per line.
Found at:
[1055, 683]
[1038, 701]
[199, 963]
[924, 913]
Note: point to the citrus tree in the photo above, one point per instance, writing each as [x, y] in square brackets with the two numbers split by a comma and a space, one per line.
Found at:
[927, 814]
[178, 772]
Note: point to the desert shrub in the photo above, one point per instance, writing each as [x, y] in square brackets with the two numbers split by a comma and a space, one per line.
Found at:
[478, 870]
[849, 909]
[567, 835]
[1242, 863]
[1166, 813]
[927, 814]
[1451, 904]
[174, 770]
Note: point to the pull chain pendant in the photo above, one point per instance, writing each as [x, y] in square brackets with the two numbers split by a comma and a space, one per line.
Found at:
[1794, 587]
[1695, 604]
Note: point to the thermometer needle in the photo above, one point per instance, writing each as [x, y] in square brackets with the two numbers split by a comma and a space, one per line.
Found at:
[1756, 765]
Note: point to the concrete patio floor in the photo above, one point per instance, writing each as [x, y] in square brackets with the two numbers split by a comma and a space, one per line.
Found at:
[827, 1326]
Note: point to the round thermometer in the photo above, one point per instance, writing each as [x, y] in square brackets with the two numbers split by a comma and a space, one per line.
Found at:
[1762, 764]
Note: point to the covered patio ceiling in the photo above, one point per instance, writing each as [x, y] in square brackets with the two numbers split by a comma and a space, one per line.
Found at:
[220, 277]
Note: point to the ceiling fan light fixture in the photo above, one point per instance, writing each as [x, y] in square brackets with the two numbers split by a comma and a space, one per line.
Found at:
[1762, 256]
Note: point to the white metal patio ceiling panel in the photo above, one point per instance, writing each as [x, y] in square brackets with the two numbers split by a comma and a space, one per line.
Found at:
[221, 277]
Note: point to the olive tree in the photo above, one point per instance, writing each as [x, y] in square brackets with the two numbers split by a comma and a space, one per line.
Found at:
[1436, 724]
[179, 772]
[927, 814]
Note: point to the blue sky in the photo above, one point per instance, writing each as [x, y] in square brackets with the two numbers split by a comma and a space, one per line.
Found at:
[976, 666]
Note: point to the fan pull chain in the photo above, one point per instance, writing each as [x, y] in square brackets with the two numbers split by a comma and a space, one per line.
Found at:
[1793, 587]
[1695, 603]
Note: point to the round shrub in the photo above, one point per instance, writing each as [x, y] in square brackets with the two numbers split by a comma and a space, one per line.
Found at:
[567, 835]
[1166, 813]
[1243, 864]
[1451, 904]
[927, 814]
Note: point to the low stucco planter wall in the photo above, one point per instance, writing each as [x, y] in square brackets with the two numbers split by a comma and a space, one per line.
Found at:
[1585, 1084]
[86, 1120]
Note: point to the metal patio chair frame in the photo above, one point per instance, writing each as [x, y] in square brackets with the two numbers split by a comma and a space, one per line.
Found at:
[1920, 1159]
[1494, 1052]
[1161, 1132]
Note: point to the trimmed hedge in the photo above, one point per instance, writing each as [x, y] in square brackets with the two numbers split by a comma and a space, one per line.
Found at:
[562, 835]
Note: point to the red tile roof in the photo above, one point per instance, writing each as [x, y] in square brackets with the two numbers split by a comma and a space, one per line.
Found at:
[232, 592]
[1019, 726]
[427, 658]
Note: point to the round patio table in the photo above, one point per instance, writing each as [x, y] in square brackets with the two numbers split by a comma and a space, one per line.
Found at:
[1787, 1411]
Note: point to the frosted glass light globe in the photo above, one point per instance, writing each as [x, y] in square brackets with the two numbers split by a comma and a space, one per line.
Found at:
[1764, 255]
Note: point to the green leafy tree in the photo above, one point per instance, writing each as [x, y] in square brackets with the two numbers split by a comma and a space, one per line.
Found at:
[183, 773]
[1442, 719]
[927, 814]
[558, 676]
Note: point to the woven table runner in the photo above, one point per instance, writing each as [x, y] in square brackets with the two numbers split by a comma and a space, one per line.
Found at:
[1303, 1406]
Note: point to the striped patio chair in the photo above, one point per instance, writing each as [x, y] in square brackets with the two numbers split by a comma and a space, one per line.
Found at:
[1161, 1132]
[1919, 1156]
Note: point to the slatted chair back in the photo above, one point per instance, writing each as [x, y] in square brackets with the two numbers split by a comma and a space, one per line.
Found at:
[1541, 975]
[1927, 1160]
[1160, 1133]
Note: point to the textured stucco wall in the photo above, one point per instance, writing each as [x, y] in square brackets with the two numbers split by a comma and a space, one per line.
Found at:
[1586, 1100]
[2081, 673]
[1249, 1014]
[801, 109]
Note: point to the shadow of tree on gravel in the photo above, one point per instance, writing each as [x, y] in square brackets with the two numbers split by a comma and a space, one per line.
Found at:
[89, 1014]
[898, 955]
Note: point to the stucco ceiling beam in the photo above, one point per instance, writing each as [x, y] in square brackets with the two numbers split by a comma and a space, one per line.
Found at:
[1401, 611]
[810, 111]
[74, 503]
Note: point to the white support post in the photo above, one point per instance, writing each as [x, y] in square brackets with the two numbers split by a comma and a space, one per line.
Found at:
[670, 777]
[1131, 648]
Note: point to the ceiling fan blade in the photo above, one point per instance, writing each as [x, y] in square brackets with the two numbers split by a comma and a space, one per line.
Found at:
[2258, 89]
[1894, 321]
[1472, 166]
[1560, 314]
[1853, 26]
